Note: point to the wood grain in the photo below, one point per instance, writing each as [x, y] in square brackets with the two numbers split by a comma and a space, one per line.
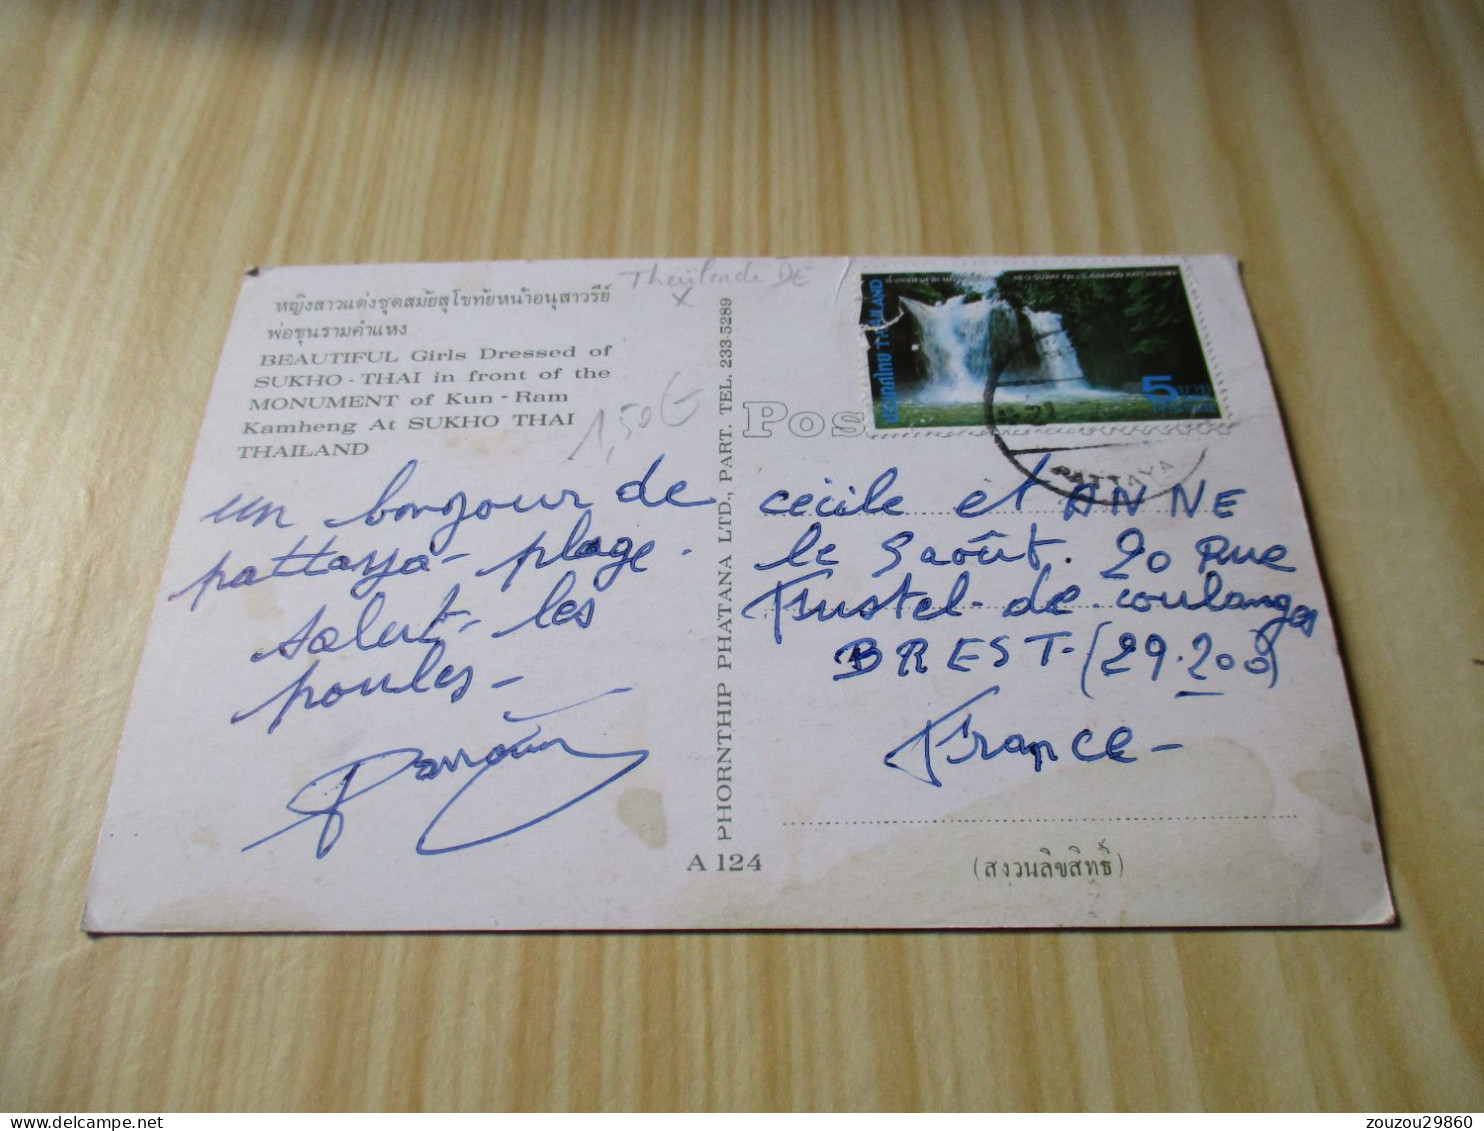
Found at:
[150, 152]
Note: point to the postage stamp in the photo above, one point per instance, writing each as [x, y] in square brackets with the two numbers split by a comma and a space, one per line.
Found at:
[1064, 346]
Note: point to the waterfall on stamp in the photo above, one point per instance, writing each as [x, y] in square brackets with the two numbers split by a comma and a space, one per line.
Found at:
[955, 337]
[1054, 349]
[962, 340]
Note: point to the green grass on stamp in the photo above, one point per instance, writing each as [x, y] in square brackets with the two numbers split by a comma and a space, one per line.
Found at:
[1066, 410]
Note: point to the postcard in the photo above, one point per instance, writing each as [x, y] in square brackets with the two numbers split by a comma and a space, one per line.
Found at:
[740, 593]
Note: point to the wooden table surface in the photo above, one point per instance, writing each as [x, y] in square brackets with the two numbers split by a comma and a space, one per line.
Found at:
[150, 152]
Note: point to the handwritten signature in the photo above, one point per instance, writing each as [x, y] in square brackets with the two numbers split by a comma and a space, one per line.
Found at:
[320, 803]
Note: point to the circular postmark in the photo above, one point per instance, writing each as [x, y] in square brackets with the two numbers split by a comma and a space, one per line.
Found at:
[1103, 464]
